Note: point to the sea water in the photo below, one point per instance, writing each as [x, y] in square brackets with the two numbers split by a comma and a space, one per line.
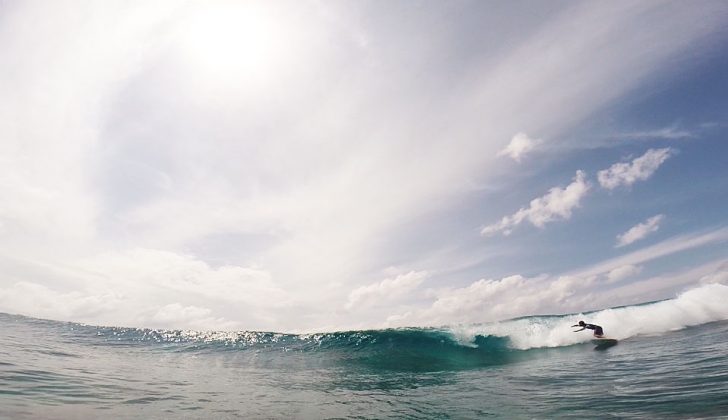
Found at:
[671, 362]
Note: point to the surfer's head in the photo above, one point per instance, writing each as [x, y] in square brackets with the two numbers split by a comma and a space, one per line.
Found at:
[582, 323]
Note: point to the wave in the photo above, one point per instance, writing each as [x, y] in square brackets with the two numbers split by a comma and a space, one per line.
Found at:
[443, 348]
[694, 307]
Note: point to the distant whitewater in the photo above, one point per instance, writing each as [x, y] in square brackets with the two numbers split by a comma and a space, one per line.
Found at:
[671, 361]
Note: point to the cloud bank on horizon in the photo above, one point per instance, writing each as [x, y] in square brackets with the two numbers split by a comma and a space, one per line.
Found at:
[305, 165]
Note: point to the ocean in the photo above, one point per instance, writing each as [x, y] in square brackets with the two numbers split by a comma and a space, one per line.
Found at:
[671, 362]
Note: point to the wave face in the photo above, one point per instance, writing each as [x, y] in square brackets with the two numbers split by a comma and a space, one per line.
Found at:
[409, 349]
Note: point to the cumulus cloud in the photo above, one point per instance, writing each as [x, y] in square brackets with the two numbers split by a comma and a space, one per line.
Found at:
[385, 291]
[185, 274]
[594, 287]
[152, 288]
[640, 231]
[641, 168]
[192, 317]
[557, 204]
[95, 306]
[519, 146]
[44, 302]
[489, 300]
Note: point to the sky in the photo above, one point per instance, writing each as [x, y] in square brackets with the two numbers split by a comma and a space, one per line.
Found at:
[326, 165]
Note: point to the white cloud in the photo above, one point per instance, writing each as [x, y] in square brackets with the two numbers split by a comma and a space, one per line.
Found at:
[43, 302]
[152, 288]
[720, 275]
[639, 169]
[519, 146]
[264, 196]
[192, 317]
[514, 296]
[185, 274]
[94, 306]
[667, 247]
[665, 133]
[591, 288]
[491, 300]
[623, 272]
[662, 286]
[640, 231]
[557, 204]
[385, 291]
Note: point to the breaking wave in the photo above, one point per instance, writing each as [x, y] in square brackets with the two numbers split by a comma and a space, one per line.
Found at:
[450, 347]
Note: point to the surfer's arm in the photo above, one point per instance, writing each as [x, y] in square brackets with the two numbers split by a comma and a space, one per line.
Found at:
[582, 329]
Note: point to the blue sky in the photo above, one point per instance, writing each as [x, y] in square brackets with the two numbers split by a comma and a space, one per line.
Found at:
[318, 165]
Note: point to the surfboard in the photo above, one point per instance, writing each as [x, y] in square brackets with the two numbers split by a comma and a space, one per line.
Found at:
[604, 342]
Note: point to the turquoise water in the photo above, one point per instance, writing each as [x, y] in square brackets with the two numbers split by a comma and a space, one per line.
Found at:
[52, 369]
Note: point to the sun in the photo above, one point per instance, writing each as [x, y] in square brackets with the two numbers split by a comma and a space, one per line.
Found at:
[232, 42]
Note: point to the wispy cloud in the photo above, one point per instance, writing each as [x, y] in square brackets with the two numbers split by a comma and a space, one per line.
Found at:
[667, 247]
[260, 188]
[640, 231]
[640, 169]
[557, 204]
[519, 146]
[664, 133]
[623, 272]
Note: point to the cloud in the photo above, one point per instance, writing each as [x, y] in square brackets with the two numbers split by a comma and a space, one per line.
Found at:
[639, 169]
[665, 133]
[44, 302]
[623, 272]
[185, 274]
[151, 288]
[720, 275]
[662, 286]
[264, 196]
[95, 306]
[490, 300]
[192, 317]
[519, 146]
[385, 291]
[640, 231]
[667, 247]
[557, 204]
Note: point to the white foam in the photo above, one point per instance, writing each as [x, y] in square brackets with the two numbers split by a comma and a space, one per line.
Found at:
[697, 306]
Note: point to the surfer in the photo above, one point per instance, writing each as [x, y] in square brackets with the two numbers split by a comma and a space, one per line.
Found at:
[598, 331]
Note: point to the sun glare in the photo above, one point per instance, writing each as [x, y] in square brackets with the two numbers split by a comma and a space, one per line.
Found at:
[233, 42]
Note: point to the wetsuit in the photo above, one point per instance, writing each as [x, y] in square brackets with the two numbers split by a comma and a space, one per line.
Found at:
[597, 329]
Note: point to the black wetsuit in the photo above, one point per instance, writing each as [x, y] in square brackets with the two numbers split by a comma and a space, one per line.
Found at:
[597, 329]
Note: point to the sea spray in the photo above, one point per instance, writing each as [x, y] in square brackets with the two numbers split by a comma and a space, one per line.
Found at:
[696, 306]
